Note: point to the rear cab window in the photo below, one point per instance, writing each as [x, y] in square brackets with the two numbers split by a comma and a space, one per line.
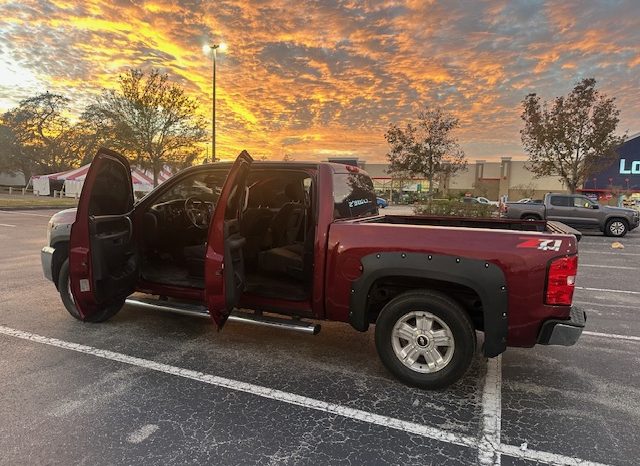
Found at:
[561, 201]
[353, 195]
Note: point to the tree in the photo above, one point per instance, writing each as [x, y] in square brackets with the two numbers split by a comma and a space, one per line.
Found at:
[150, 119]
[573, 136]
[33, 135]
[426, 148]
[526, 189]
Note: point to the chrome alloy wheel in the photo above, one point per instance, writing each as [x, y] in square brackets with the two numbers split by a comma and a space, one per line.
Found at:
[617, 228]
[422, 342]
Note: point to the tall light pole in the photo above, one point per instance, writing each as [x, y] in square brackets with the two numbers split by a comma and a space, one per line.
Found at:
[213, 49]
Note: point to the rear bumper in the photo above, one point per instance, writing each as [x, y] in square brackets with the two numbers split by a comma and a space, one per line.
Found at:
[46, 257]
[563, 332]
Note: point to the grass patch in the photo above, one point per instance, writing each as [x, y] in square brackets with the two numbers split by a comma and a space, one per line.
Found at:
[27, 201]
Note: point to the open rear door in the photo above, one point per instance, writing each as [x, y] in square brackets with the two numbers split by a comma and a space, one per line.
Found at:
[103, 259]
[224, 263]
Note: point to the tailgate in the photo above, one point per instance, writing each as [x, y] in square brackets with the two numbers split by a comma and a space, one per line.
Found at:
[559, 227]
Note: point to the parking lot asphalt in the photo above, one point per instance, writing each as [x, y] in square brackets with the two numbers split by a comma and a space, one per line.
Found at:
[156, 388]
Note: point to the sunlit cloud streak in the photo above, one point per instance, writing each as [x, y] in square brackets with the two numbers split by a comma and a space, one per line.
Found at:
[313, 78]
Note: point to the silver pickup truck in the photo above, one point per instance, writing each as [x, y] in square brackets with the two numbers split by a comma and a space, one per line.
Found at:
[577, 211]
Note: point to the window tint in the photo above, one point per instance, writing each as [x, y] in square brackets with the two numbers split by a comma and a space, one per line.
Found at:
[560, 201]
[582, 202]
[353, 195]
[111, 193]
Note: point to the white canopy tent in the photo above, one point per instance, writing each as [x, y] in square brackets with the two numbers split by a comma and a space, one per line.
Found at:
[73, 180]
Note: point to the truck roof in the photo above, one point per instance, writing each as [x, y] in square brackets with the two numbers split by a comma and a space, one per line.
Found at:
[336, 167]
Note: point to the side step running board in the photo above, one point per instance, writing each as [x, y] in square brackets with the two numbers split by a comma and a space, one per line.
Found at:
[196, 310]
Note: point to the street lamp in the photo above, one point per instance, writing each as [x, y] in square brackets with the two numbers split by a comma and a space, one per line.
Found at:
[213, 49]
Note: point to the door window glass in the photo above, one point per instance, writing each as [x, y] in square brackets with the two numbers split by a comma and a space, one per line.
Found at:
[560, 201]
[111, 192]
[582, 202]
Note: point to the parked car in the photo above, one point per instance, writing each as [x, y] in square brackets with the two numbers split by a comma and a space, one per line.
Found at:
[382, 203]
[303, 241]
[577, 211]
[484, 200]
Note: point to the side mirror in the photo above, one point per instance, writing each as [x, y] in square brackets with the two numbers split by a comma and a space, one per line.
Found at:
[596, 206]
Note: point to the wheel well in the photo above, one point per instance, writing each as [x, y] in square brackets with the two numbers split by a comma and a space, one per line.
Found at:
[59, 256]
[622, 219]
[530, 215]
[385, 289]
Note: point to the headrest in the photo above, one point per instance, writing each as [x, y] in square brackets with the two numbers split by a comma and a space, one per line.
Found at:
[294, 192]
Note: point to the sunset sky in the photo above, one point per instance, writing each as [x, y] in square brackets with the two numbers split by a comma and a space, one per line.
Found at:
[319, 78]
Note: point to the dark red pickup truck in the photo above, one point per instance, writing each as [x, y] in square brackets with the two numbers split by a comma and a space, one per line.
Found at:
[285, 242]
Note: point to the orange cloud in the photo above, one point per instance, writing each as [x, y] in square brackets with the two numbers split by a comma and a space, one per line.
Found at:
[314, 78]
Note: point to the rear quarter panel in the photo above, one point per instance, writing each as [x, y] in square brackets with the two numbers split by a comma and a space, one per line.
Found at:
[518, 254]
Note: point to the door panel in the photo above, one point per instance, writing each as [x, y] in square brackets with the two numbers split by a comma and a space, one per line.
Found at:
[224, 262]
[585, 215]
[103, 258]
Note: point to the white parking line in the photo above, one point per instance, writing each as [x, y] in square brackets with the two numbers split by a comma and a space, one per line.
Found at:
[7, 225]
[264, 392]
[612, 306]
[142, 434]
[544, 457]
[488, 451]
[491, 424]
[580, 252]
[611, 335]
[608, 267]
[607, 290]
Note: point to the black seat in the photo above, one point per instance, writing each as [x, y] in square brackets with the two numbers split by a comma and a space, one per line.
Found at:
[286, 225]
[287, 251]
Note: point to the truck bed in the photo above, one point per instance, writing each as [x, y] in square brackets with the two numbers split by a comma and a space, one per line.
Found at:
[540, 226]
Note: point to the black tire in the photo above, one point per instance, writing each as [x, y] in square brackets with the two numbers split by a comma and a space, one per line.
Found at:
[616, 227]
[530, 218]
[70, 305]
[447, 311]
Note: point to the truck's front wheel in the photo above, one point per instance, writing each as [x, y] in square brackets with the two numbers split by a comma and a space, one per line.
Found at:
[64, 287]
[616, 227]
[425, 339]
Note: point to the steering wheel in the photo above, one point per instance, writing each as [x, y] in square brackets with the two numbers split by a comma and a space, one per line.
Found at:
[197, 212]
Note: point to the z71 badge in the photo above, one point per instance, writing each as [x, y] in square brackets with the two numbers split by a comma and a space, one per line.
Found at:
[542, 244]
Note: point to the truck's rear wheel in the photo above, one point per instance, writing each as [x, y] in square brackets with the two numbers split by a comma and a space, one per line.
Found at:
[64, 287]
[425, 339]
[616, 227]
[531, 218]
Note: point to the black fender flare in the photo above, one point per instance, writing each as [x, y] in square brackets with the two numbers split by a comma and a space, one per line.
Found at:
[485, 278]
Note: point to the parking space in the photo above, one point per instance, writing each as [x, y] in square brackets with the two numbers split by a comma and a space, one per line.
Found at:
[161, 388]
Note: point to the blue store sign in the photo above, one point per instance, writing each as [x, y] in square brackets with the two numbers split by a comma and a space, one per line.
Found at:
[624, 174]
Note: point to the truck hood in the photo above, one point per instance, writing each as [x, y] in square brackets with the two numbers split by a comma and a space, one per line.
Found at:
[619, 210]
[64, 217]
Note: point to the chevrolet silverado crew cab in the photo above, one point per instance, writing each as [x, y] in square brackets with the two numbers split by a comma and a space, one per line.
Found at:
[289, 244]
[577, 211]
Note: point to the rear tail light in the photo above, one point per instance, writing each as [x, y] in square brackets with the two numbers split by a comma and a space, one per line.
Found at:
[561, 280]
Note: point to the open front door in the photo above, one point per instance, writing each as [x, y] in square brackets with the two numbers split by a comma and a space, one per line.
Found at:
[224, 263]
[103, 259]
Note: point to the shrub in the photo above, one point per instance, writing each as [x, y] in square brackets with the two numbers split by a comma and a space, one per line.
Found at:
[455, 208]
